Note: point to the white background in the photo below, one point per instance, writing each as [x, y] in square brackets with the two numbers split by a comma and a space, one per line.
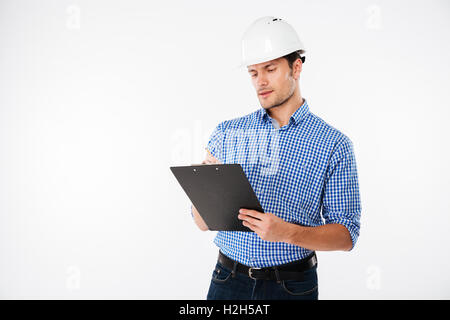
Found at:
[99, 98]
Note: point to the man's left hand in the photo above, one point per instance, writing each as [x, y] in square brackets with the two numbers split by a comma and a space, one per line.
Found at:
[268, 226]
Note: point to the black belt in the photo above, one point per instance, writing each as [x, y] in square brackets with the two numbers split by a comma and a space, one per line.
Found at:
[289, 271]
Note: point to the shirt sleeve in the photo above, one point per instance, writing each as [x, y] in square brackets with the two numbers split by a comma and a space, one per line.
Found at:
[215, 142]
[341, 202]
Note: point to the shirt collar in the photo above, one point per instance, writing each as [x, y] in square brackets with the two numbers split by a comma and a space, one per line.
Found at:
[297, 117]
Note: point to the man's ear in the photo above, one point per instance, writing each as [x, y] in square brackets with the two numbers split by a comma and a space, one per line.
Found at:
[297, 68]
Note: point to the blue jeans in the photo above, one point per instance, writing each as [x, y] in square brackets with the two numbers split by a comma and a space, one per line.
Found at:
[224, 287]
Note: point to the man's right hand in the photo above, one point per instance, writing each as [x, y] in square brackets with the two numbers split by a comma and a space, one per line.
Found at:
[210, 159]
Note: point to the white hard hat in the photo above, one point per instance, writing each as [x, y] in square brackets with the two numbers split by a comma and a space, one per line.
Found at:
[269, 38]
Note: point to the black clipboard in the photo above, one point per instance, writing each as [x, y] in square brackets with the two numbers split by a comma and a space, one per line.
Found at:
[218, 191]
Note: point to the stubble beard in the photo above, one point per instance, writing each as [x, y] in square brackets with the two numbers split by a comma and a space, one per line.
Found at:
[283, 99]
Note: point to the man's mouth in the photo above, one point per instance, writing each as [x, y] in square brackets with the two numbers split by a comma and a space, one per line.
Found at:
[265, 93]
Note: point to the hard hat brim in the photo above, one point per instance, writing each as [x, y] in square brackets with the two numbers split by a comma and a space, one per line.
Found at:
[269, 57]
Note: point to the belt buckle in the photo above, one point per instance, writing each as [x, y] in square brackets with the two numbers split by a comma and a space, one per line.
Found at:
[250, 272]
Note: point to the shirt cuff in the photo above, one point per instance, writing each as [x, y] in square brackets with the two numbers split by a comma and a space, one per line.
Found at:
[352, 227]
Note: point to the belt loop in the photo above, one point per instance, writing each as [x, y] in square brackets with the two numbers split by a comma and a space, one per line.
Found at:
[277, 275]
[233, 272]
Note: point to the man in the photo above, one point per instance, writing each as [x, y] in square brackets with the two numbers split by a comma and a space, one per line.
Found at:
[302, 170]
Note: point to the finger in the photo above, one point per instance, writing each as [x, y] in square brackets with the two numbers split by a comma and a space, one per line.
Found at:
[251, 226]
[252, 213]
[250, 219]
[210, 158]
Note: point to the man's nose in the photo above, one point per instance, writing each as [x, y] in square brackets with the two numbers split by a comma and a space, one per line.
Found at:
[262, 81]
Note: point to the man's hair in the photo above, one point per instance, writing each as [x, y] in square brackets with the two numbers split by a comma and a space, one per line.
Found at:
[293, 56]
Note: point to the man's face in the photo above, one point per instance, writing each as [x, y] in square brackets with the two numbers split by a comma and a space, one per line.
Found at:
[274, 77]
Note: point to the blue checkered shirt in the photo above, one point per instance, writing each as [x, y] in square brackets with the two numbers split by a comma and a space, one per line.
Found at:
[304, 172]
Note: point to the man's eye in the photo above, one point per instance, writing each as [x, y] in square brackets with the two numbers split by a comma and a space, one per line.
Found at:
[271, 70]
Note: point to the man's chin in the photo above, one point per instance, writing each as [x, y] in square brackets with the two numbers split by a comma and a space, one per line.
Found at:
[268, 106]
